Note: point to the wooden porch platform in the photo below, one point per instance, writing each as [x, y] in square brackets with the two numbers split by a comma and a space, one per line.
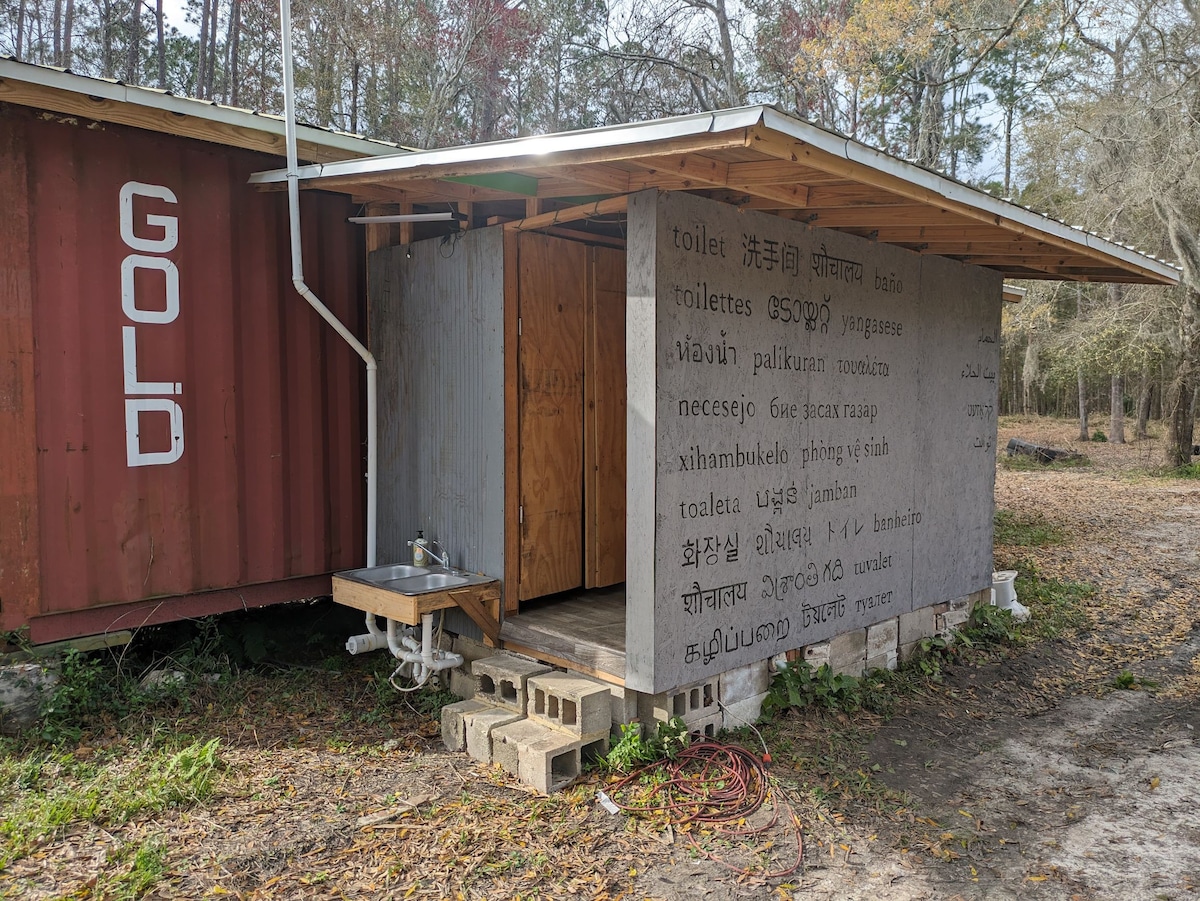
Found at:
[581, 630]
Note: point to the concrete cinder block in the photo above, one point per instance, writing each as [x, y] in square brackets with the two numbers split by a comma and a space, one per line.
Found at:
[695, 703]
[460, 680]
[917, 625]
[946, 623]
[743, 713]
[817, 655]
[454, 727]
[707, 726]
[848, 652]
[479, 726]
[744, 682]
[885, 660]
[624, 705]
[502, 679]
[545, 758]
[882, 637]
[576, 704]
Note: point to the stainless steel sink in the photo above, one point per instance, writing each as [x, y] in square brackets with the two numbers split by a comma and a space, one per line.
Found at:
[412, 580]
[377, 575]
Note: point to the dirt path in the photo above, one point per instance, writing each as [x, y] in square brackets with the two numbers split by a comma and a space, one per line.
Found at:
[1025, 776]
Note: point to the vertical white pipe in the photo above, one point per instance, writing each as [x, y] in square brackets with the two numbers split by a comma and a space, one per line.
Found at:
[293, 183]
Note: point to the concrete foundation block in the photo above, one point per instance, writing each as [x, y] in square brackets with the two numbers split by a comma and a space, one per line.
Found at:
[963, 603]
[817, 655]
[540, 756]
[882, 637]
[502, 679]
[744, 682]
[573, 703]
[624, 705]
[742, 713]
[693, 704]
[479, 726]
[886, 660]
[460, 681]
[919, 624]
[848, 652]
[454, 726]
[946, 623]
[707, 726]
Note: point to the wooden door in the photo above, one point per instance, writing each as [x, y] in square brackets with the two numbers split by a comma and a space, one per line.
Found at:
[552, 291]
[604, 420]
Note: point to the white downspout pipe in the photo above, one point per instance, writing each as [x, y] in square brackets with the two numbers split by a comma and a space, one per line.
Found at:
[375, 636]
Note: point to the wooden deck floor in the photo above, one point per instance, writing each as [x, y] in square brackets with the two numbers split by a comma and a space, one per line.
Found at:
[581, 629]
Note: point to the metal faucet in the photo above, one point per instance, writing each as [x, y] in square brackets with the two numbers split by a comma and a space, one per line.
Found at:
[444, 559]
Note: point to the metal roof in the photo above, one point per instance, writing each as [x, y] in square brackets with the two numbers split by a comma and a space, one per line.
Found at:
[754, 158]
[108, 100]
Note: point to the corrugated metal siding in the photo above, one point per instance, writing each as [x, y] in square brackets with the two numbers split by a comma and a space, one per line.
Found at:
[437, 331]
[269, 485]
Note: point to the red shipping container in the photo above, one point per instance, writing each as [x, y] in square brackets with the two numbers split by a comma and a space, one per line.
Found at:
[179, 432]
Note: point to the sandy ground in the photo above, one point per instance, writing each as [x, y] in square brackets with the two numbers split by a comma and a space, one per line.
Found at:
[1018, 776]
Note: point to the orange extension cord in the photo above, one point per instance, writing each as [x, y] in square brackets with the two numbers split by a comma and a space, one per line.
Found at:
[714, 784]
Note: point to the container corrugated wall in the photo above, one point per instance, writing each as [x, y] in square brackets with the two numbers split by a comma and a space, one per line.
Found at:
[437, 329]
[173, 417]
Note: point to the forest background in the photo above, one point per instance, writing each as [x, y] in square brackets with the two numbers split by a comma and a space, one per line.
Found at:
[1083, 109]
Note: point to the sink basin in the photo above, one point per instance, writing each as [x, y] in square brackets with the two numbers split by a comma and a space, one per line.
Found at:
[413, 580]
[433, 581]
[390, 572]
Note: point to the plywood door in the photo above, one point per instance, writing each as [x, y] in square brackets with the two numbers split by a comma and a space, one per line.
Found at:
[604, 420]
[553, 287]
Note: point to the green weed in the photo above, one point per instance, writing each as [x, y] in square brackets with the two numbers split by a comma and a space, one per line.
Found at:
[44, 793]
[990, 626]
[1056, 606]
[1026, 463]
[633, 751]
[1127, 681]
[1026, 529]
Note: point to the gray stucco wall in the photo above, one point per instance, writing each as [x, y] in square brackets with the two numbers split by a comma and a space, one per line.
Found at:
[811, 435]
[437, 331]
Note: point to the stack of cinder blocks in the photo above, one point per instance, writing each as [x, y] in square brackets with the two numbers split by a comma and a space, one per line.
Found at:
[882, 645]
[695, 704]
[539, 725]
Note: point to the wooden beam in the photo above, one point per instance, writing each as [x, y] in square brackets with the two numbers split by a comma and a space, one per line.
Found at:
[522, 162]
[573, 235]
[512, 425]
[562, 180]
[483, 607]
[164, 121]
[571, 214]
[769, 142]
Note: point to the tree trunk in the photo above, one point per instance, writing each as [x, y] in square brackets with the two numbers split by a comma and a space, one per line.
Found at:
[20, 30]
[212, 49]
[133, 57]
[235, 33]
[1116, 423]
[1083, 413]
[202, 50]
[56, 27]
[1029, 376]
[68, 27]
[1180, 416]
[161, 47]
[1145, 396]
